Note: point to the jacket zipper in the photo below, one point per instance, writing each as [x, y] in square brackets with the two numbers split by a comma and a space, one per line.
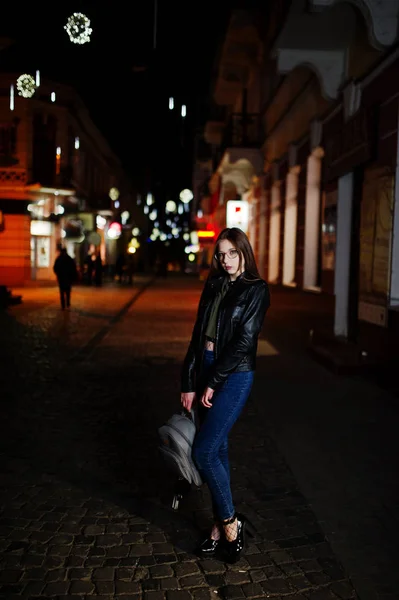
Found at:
[217, 333]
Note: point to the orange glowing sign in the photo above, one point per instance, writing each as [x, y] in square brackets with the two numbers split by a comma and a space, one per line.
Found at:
[206, 234]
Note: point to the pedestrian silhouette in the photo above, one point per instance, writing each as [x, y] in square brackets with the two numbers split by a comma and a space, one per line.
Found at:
[98, 276]
[66, 272]
[90, 268]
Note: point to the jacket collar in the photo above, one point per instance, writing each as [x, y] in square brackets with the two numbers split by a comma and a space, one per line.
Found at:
[234, 286]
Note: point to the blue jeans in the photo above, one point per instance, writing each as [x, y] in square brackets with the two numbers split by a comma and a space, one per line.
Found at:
[210, 450]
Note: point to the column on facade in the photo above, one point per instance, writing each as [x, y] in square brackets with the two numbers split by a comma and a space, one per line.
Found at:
[282, 175]
[252, 217]
[312, 219]
[343, 255]
[262, 230]
[274, 231]
[290, 226]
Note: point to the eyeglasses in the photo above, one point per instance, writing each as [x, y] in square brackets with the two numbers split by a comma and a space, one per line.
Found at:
[232, 253]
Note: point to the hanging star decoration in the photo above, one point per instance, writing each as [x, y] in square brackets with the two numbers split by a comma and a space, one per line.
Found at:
[26, 85]
[78, 28]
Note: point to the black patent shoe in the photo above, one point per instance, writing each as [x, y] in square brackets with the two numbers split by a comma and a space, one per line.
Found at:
[208, 547]
[234, 548]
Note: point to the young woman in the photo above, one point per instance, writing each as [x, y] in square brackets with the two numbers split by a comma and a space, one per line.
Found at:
[218, 373]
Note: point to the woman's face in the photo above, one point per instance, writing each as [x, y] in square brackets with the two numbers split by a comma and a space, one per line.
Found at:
[229, 258]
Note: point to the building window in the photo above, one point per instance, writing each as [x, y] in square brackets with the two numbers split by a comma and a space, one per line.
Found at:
[8, 144]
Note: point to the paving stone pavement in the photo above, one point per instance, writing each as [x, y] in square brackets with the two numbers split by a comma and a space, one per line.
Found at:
[86, 501]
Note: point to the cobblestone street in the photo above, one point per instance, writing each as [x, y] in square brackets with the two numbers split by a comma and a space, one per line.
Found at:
[86, 501]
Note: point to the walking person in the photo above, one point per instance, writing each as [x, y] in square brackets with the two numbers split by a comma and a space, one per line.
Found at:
[98, 275]
[218, 373]
[66, 272]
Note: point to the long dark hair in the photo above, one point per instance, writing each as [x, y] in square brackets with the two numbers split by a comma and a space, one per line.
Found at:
[240, 241]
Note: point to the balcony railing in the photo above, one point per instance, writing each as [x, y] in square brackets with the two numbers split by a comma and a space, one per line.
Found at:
[243, 131]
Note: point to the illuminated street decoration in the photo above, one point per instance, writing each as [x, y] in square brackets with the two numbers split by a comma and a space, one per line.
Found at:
[100, 222]
[170, 206]
[114, 231]
[186, 196]
[114, 193]
[58, 160]
[26, 85]
[78, 28]
[12, 99]
[125, 216]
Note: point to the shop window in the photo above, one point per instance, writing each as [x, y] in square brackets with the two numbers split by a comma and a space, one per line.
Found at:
[329, 230]
[43, 252]
[8, 144]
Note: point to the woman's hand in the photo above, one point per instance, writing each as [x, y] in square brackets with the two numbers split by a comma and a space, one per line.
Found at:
[187, 399]
[207, 397]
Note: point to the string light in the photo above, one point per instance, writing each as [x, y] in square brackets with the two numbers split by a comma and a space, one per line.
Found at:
[26, 85]
[78, 28]
[114, 193]
[186, 196]
[170, 206]
[12, 103]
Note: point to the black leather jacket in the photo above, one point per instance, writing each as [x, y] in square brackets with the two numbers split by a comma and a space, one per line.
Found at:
[240, 318]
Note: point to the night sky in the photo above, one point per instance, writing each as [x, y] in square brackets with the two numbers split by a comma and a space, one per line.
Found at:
[122, 79]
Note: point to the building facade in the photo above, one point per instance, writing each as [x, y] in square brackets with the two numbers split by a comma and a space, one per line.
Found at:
[310, 149]
[56, 173]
